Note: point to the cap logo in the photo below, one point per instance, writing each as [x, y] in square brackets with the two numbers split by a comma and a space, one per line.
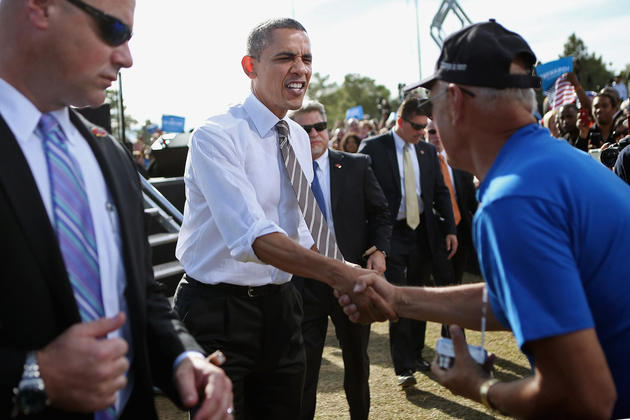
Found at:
[453, 66]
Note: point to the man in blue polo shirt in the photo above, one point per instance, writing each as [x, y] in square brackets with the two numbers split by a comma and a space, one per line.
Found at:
[551, 235]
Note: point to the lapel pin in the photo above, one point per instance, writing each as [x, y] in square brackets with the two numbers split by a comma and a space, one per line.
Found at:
[422, 152]
[99, 132]
[338, 165]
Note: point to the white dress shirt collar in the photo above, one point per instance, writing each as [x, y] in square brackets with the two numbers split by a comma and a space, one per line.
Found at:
[22, 116]
[264, 120]
[399, 142]
[18, 112]
[322, 161]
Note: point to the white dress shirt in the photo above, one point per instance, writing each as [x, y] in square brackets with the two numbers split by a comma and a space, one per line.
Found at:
[400, 145]
[237, 190]
[323, 176]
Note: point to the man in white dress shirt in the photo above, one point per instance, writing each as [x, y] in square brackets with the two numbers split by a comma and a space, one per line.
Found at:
[243, 233]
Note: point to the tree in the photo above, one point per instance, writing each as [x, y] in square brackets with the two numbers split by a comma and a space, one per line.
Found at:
[111, 97]
[355, 90]
[590, 68]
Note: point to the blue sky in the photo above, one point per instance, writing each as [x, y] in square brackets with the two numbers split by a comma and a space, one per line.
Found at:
[187, 53]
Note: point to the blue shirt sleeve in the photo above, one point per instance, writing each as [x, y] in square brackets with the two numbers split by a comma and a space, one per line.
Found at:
[527, 260]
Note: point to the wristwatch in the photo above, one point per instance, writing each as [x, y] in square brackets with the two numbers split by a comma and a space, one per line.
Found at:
[30, 395]
[371, 251]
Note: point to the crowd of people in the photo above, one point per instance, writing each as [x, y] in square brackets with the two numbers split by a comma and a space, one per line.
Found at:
[286, 225]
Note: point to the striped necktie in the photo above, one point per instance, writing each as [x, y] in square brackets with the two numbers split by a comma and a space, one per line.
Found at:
[317, 191]
[73, 225]
[313, 216]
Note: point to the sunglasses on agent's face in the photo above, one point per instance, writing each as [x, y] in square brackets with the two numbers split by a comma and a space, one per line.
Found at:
[320, 126]
[432, 131]
[416, 126]
[113, 31]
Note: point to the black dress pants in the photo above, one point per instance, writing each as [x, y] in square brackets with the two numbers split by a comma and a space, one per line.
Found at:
[258, 330]
[411, 263]
[319, 303]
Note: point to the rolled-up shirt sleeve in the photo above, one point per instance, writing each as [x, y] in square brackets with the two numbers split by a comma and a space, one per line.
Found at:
[219, 170]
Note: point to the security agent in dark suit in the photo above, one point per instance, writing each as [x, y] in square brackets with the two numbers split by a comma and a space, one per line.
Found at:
[409, 173]
[356, 211]
[75, 345]
[463, 210]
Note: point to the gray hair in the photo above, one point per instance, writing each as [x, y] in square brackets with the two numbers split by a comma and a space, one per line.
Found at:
[260, 36]
[310, 106]
[493, 98]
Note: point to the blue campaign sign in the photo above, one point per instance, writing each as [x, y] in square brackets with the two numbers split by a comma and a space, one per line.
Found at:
[550, 71]
[355, 112]
[152, 128]
[173, 124]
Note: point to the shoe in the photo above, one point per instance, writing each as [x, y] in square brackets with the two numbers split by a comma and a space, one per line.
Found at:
[406, 378]
[422, 365]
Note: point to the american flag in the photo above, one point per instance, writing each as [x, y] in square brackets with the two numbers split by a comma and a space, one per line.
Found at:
[564, 93]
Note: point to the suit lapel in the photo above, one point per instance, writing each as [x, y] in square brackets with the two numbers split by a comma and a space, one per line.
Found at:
[18, 183]
[107, 157]
[425, 166]
[336, 169]
[390, 145]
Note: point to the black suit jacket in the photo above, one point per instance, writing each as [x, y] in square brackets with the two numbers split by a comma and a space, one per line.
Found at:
[360, 212]
[361, 219]
[36, 299]
[466, 198]
[435, 194]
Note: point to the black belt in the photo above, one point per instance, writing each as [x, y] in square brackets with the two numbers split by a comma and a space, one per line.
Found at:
[228, 289]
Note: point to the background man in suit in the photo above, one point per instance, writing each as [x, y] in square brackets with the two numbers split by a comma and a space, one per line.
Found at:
[357, 213]
[85, 328]
[460, 184]
[409, 173]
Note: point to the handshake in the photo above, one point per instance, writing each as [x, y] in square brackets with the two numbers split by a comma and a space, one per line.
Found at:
[367, 297]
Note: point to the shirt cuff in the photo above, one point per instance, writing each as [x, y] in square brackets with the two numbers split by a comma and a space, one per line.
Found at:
[181, 357]
[243, 250]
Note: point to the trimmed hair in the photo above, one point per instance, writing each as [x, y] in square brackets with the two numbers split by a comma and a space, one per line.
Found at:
[310, 106]
[260, 36]
[495, 97]
[413, 106]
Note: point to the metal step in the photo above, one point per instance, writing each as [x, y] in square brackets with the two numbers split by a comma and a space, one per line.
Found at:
[151, 211]
[158, 239]
[168, 269]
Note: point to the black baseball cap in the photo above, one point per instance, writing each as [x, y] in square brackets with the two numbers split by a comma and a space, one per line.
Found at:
[480, 55]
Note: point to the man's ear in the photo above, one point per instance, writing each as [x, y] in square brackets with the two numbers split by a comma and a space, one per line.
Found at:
[456, 103]
[248, 66]
[38, 12]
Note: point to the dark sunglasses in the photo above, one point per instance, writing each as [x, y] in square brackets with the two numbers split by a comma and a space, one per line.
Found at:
[320, 126]
[113, 31]
[432, 131]
[416, 126]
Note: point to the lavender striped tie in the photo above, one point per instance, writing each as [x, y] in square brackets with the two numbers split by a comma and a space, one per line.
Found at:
[324, 240]
[74, 226]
